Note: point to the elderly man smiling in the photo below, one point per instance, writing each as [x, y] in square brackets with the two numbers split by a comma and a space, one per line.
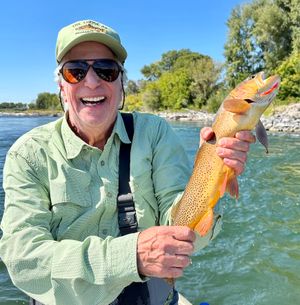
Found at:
[76, 230]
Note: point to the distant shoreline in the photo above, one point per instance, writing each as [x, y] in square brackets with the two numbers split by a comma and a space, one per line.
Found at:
[31, 114]
[284, 119]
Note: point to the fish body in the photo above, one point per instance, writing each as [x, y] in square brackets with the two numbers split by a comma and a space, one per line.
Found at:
[211, 178]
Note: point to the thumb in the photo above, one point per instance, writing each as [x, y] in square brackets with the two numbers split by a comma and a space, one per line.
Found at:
[206, 134]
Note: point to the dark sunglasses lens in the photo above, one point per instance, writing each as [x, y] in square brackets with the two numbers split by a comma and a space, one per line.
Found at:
[74, 71]
[107, 69]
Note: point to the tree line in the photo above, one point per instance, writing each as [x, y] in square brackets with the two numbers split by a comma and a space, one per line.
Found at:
[262, 35]
[44, 101]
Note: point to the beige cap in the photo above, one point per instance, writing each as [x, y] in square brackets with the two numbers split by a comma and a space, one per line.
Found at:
[88, 30]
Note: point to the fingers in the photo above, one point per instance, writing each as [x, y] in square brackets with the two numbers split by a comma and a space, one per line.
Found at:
[206, 134]
[236, 165]
[164, 251]
[181, 233]
[246, 136]
[234, 150]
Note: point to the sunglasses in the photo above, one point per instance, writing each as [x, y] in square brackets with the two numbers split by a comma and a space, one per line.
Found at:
[74, 71]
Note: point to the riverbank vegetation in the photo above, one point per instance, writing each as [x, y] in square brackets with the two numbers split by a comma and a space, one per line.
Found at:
[262, 35]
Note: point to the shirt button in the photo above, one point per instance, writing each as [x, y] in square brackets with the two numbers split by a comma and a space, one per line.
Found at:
[104, 231]
[102, 163]
[109, 194]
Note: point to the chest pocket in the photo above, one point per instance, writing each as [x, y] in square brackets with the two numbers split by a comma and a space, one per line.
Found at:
[71, 186]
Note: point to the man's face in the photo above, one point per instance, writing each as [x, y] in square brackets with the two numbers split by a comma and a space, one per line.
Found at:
[93, 102]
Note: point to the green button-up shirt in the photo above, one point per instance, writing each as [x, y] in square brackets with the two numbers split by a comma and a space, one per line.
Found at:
[61, 242]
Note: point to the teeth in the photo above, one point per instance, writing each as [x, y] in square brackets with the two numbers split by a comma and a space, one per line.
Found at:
[93, 99]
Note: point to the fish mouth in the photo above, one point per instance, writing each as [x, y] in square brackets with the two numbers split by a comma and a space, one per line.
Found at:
[274, 87]
[271, 82]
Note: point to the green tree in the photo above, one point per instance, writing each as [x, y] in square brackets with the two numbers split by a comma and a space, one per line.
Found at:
[242, 55]
[151, 72]
[295, 24]
[289, 71]
[205, 74]
[133, 102]
[170, 61]
[131, 87]
[272, 31]
[261, 35]
[47, 100]
[151, 96]
[216, 99]
[180, 79]
[174, 89]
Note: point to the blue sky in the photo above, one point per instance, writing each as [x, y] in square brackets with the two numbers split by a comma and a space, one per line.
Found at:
[28, 31]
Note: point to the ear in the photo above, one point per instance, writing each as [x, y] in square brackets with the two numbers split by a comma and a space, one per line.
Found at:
[62, 92]
[236, 105]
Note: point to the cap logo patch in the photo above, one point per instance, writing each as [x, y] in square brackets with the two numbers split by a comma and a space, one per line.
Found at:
[87, 28]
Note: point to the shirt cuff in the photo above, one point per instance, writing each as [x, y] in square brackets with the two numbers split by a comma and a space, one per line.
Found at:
[123, 254]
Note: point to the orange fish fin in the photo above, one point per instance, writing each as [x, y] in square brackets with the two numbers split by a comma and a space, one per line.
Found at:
[236, 105]
[233, 187]
[205, 223]
[224, 184]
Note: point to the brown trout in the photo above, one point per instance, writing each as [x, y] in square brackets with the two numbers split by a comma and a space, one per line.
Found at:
[211, 178]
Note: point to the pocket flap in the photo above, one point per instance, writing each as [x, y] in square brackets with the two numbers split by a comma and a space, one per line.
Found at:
[71, 185]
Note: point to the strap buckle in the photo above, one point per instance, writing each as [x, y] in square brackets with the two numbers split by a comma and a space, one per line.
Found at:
[126, 214]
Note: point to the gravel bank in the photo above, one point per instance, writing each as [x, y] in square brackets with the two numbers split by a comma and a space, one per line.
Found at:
[286, 119]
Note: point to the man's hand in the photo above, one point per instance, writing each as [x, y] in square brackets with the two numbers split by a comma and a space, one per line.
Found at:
[164, 251]
[233, 151]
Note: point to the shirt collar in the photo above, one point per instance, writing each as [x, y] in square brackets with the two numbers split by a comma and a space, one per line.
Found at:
[74, 144]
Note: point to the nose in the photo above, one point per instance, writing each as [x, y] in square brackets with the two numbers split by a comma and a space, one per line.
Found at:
[92, 80]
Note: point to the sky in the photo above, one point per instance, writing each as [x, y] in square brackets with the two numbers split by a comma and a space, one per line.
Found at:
[28, 32]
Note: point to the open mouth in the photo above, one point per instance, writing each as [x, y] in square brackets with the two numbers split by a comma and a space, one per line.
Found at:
[275, 86]
[249, 101]
[92, 101]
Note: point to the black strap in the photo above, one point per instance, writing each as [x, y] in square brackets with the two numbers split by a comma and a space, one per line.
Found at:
[126, 210]
[124, 156]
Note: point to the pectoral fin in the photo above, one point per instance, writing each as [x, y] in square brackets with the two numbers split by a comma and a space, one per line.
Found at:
[236, 105]
[205, 223]
[261, 135]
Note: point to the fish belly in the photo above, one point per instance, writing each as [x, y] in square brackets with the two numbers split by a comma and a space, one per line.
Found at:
[203, 189]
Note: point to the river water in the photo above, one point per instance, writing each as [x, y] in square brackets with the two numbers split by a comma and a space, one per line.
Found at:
[255, 260]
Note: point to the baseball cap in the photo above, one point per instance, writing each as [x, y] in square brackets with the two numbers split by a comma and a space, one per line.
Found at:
[88, 30]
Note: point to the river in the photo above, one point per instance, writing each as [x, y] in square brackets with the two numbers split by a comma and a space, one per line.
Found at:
[255, 260]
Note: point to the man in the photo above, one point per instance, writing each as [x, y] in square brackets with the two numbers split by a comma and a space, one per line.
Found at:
[61, 235]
